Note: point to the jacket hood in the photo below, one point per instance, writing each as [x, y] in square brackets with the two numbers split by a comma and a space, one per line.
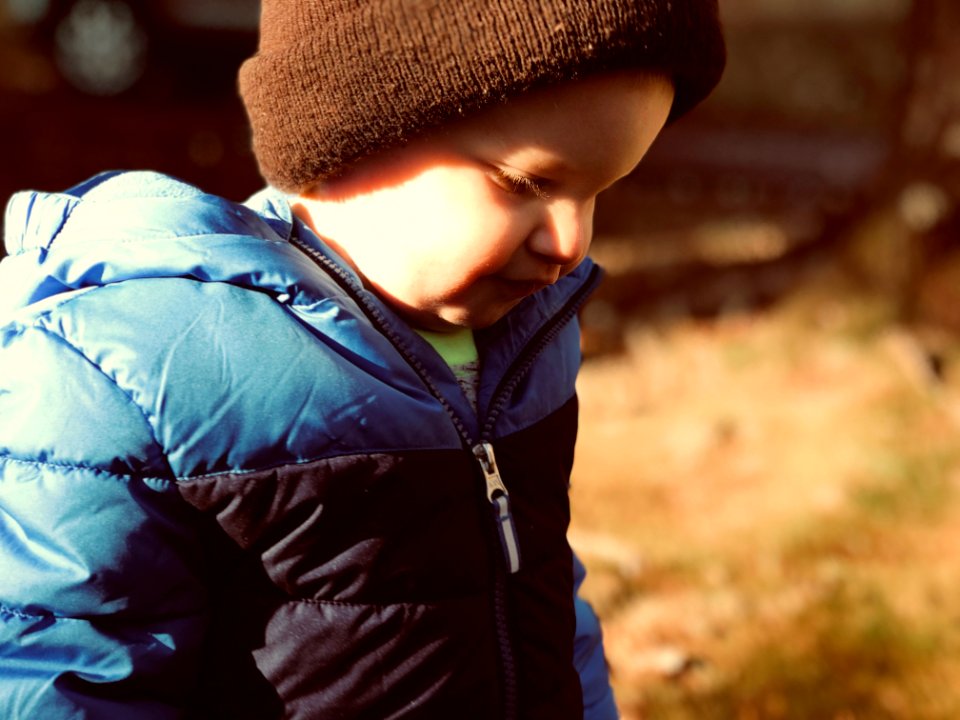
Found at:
[120, 226]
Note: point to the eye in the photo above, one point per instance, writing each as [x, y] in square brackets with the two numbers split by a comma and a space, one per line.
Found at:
[517, 184]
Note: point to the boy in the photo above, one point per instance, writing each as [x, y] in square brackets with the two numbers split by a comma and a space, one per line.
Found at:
[308, 457]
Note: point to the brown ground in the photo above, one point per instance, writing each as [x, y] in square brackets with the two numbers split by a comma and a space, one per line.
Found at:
[768, 504]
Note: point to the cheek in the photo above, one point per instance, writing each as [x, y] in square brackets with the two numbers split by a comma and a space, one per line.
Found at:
[470, 223]
[442, 227]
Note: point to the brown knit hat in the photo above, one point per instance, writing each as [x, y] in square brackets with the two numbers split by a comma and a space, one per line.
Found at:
[337, 80]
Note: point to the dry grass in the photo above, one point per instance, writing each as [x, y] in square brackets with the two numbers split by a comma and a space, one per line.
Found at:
[769, 506]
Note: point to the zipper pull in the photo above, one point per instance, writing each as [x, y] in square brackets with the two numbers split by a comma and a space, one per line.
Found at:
[500, 501]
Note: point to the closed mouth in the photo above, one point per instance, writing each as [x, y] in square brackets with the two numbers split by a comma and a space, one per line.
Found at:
[525, 287]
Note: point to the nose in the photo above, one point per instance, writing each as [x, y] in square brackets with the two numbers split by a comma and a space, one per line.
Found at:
[564, 235]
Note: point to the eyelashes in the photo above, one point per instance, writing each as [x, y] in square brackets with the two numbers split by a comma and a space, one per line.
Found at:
[517, 184]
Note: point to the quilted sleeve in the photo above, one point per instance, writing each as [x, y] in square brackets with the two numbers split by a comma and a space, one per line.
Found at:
[101, 599]
[598, 702]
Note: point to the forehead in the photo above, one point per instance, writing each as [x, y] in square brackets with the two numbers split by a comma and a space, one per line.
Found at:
[594, 95]
[576, 122]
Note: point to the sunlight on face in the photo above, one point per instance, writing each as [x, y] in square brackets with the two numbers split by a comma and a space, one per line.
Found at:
[455, 229]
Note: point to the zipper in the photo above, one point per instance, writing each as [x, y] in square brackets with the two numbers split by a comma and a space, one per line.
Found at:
[496, 491]
[499, 500]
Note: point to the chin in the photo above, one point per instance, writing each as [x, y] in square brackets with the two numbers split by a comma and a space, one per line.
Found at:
[450, 319]
[465, 321]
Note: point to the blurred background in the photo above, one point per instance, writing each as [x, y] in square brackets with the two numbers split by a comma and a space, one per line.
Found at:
[766, 486]
[92, 85]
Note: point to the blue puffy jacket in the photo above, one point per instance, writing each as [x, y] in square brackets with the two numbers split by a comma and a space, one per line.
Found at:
[234, 484]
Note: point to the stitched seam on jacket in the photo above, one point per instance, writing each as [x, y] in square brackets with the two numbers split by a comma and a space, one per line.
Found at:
[295, 462]
[78, 466]
[192, 236]
[45, 248]
[37, 616]
[89, 619]
[28, 616]
[111, 381]
[362, 605]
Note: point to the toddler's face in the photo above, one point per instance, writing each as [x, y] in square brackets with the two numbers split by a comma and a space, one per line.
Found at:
[454, 230]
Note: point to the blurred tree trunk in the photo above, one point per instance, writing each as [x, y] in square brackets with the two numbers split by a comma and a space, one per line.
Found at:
[906, 239]
[927, 144]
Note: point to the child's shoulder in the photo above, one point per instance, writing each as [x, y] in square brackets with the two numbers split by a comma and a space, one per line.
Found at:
[207, 327]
